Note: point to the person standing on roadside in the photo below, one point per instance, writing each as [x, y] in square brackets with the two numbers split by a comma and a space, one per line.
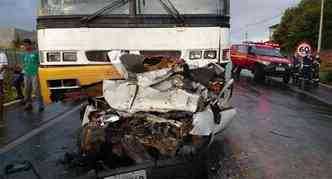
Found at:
[30, 65]
[18, 79]
[3, 66]
[296, 60]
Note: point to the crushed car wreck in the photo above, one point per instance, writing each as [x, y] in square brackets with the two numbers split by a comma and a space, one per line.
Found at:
[162, 109]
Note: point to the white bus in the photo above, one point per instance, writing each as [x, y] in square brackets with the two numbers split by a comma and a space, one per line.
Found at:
[75, 36]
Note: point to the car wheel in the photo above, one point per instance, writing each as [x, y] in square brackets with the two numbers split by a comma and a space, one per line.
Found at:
[236, 72]
[295, 80]
[286, 79]
[259, 75]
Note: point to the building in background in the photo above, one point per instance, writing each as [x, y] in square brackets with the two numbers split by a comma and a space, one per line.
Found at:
[11, 37]
[10, 40]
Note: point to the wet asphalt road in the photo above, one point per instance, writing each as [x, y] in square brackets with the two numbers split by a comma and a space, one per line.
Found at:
[19, 122]
[276, 134]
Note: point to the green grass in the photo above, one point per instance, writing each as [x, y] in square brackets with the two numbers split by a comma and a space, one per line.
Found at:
[326, 77]
[326, 71]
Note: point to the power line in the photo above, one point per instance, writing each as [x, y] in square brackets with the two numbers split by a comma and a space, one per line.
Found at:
[238, 33]
[266, 20]
[245, 28]
[258, 22]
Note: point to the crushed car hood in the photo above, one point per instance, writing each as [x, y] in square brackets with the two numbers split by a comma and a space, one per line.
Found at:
[162, 105]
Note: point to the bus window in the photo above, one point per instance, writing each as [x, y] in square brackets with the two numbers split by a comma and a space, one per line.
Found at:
[84, 7]
[242, 49]
[220, 7]
[53, 57]
[98, 56]
[78, 7]
[74, 51]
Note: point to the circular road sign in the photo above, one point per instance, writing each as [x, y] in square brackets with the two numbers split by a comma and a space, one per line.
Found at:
[304, 49]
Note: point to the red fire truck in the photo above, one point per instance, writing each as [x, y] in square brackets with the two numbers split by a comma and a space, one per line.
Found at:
[262, 59]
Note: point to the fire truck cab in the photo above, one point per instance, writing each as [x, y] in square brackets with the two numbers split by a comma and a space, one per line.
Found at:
[262, 59]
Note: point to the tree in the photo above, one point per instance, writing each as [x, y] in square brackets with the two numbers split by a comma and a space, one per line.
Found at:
[301, 23]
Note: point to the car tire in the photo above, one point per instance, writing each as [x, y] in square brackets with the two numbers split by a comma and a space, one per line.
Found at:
[286, 79]
[237, 72]
[295, 80]
[259, 75]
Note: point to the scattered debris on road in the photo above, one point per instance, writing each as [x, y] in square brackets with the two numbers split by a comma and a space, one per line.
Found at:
[162, 109]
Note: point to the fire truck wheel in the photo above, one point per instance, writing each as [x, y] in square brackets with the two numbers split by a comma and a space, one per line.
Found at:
[259, 75]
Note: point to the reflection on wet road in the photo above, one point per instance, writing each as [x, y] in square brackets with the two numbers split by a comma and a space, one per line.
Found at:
[47, 149]
[19, 122]
[279, 134]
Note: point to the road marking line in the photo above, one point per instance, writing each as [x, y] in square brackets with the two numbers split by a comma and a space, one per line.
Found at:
[38, 130]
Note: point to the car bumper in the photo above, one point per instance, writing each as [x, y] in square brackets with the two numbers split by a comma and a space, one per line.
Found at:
[277, 70]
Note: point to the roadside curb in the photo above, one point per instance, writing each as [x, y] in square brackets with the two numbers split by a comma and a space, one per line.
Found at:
[12, 103]
[325, 101]
[307, 93]
[326, 86]
[16, 102]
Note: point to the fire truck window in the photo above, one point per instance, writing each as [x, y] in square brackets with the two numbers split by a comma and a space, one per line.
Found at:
[242, 49]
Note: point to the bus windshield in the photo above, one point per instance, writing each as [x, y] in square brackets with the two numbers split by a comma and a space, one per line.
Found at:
[144, 7]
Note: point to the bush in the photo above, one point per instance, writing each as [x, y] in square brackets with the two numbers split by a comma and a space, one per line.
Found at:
[10, 92]
[326, 77]
[329, 76]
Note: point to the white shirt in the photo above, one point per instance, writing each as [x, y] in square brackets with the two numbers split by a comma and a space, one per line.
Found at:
[3, 61]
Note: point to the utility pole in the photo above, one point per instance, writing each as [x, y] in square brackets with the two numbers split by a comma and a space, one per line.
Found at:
[321, 27]
[246, 36]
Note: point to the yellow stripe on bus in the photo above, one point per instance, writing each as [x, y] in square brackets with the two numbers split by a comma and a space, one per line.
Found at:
[84, 74]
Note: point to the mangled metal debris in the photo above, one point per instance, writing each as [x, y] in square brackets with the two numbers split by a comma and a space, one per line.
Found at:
[162, 109]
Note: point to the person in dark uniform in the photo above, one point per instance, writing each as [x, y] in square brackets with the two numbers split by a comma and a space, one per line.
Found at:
[307, 67]
[18, 79]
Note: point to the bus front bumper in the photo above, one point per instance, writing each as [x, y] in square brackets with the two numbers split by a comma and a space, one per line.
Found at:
[56, 81]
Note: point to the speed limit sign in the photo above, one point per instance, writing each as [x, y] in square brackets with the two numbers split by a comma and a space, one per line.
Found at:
[304, 49]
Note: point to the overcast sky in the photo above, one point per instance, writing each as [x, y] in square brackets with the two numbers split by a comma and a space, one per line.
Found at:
[253, 16]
